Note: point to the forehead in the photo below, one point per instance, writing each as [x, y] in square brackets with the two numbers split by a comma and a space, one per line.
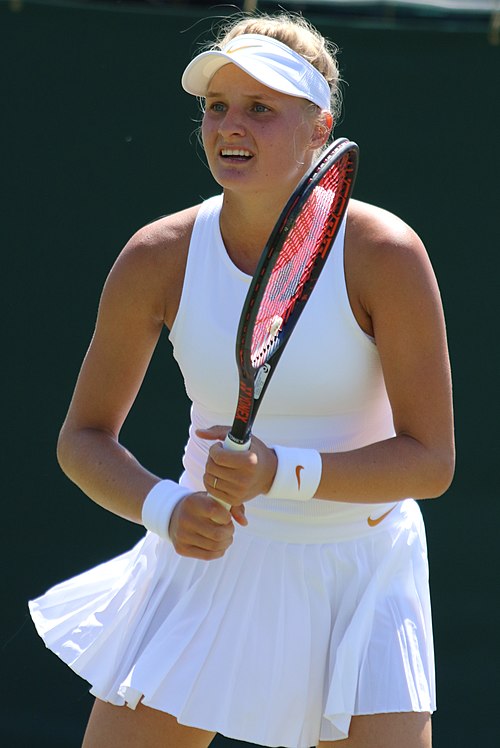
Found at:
[231, 78]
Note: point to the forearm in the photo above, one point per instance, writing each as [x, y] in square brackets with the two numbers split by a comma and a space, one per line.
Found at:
[389, 470]
[105, 471]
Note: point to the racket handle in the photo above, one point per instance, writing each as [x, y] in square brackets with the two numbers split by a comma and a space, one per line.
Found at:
[233, 447]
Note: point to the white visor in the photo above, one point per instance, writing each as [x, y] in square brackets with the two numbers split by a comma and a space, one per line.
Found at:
[267, 60]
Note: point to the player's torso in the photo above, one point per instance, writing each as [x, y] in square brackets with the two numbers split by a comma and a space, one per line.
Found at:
[330, 368]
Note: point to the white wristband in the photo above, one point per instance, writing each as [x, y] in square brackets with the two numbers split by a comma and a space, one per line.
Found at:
[298, 474]
[159, 505]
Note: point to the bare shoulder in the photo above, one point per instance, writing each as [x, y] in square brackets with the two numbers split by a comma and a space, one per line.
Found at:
[150, 268]
[373, 230]
[384, 258]
[165, 237]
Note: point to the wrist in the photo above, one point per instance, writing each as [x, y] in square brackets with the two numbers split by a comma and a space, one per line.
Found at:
[159, 505]
[298, 474]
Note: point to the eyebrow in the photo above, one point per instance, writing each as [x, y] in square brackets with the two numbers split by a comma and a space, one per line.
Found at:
[217, 94]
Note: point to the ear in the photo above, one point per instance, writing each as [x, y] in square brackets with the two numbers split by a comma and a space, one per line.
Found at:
[322, 129]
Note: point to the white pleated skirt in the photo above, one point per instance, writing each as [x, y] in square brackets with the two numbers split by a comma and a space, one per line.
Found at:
[278, 643]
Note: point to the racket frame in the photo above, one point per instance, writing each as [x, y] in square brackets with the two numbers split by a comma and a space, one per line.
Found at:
[253, 382]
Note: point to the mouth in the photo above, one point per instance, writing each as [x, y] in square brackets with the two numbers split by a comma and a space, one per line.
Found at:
[236, 154]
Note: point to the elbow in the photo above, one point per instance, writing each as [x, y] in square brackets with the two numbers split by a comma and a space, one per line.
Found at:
[80, 449]
[70, 449]
[63, 450]
[441, 475]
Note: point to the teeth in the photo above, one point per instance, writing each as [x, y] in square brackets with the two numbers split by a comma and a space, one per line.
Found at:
[235, 152]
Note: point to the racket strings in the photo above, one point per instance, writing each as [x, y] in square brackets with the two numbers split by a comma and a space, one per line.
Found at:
[304, 243]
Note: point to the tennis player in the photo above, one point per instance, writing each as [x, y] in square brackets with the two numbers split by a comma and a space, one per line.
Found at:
[300, 616]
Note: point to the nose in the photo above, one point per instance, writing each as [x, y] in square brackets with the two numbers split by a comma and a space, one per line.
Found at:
[231, 123]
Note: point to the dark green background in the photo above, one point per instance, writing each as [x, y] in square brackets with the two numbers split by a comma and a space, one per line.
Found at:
[97, 139]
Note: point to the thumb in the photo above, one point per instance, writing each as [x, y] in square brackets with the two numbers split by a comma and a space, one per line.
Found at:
[214, 432]
[238, 514]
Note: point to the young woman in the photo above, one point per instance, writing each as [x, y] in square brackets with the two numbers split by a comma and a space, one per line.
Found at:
[300, 616]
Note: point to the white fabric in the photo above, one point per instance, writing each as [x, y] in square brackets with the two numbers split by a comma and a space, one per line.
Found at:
[159, 505]
[288, 641]
[267, 60]
[319, 610]
[327, 393]
[297, 475]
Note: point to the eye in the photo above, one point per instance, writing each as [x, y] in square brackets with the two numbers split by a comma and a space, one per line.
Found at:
[217, 107]
[260, 108]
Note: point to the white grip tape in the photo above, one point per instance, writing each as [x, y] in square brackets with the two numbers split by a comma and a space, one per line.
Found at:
[234, 446]
[159, 505]
[298, 474]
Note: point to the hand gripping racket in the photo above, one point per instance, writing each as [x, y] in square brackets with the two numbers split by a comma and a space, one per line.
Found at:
[288, 270]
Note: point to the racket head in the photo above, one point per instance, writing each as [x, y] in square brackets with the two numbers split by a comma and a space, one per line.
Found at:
[287, 272]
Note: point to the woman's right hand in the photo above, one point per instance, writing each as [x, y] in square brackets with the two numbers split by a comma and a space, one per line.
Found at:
[201, 527]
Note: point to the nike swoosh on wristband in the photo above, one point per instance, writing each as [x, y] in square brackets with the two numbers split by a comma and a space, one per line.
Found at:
[297, 473]
[378, 520]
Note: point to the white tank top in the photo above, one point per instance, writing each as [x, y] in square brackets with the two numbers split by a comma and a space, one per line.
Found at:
[327, 392]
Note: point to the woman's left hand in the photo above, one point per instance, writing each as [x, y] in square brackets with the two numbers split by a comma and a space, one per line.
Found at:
[236, 477]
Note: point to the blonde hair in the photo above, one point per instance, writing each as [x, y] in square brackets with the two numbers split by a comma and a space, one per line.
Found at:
[298, 34]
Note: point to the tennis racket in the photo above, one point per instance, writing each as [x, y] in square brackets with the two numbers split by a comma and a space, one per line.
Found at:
[288, 270]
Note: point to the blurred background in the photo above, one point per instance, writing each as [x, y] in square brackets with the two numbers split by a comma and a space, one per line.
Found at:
[97, 139]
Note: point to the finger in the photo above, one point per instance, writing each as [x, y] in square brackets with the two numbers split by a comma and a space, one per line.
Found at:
[193, 551]
[207, 535]
[217, 512]
[219, 455]
[196, 511]
[238, 514]
[216, 488]
[216, 533]
[211, 482]
[214, 432]
[221, 490]
[224, 499]
[220, 542]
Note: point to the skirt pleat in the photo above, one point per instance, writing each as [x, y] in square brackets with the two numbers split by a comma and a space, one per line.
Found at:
[278, 643]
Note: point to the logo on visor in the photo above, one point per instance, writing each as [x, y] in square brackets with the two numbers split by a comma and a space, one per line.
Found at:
[232, 50]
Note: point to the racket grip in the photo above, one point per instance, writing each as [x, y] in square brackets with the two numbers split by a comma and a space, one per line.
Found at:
[234, 447]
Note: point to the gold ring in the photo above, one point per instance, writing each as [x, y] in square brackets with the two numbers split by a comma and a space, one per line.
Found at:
[215, 483]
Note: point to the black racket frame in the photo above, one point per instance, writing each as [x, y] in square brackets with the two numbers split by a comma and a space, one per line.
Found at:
[250, 397]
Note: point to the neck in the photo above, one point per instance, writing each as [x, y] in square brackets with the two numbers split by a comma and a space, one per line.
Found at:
[245, 227]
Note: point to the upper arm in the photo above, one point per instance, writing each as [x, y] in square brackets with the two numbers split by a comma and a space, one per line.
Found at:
[139, 295]
[399, 292]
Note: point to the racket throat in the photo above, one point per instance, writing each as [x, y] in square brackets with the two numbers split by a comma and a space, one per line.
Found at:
[260, 380]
